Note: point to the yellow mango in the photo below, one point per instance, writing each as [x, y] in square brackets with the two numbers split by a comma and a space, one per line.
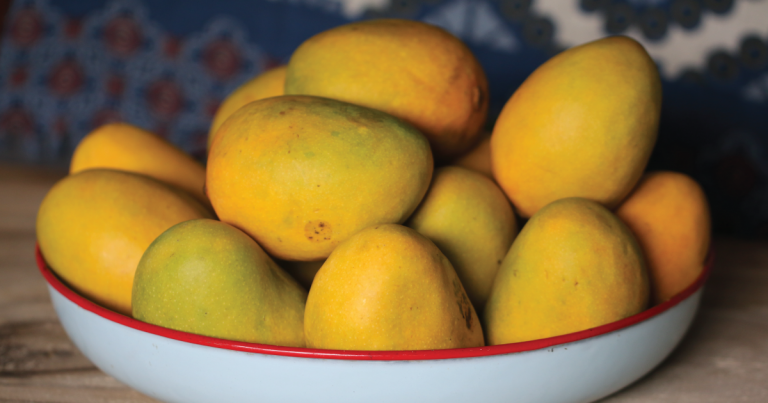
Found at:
[468, 217]
[415, 71]
[389, 288]
[93, 226]
[669, 214]
[300, 174]
[270, 83]
[129, 148]
[583, 124]
[574, 266]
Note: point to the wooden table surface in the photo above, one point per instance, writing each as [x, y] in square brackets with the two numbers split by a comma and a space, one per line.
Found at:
[724, 357]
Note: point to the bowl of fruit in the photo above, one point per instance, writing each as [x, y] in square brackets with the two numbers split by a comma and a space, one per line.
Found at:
[354, 237]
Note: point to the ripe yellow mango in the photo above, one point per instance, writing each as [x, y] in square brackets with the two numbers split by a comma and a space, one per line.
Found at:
[468, 217]
[574, 266]
[389, 288]
[129, 148]
[206, 277]
[267, 84]
[93, 226]
[669, 214]
[301, 174]
[582, 125]
[415, 71]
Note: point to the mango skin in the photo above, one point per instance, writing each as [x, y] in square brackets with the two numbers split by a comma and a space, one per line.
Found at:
[301, 174]
[583, 124]
[478, 158]
[93, 227]
[206, 277]
[669, 214]
[268, 84]
[389, 288]
[574, 266]
[129, 148]
[421, 74]
[470, 219]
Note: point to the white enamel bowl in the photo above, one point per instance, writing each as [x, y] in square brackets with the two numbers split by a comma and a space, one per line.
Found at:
[175, 366]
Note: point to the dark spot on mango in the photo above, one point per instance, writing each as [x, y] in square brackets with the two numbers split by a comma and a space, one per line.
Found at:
[282, 112]
[465, 307]
[318, 231]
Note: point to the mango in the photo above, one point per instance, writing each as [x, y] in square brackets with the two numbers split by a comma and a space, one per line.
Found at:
[389, 288]
[669, 214]
[470, 219]
[270, 83]
[301, 174]
[574, 266]
[583, 124]
[129, 148]
[93, 226]
[209, 278]
[412, 70]
[478, 158]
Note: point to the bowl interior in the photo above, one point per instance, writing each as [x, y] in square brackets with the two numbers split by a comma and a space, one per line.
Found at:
[105, 313]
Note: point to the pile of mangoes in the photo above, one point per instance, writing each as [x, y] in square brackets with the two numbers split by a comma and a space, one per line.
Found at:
[360, 172]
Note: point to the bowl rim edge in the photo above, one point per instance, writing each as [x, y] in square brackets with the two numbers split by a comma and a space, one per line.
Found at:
[400, 355]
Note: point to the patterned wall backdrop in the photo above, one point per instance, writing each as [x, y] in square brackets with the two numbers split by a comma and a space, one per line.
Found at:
[67, 66]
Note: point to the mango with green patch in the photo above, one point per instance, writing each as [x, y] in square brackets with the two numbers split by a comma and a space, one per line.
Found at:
[574, 266]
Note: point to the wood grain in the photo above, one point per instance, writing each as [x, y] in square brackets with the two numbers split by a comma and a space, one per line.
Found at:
[724, 357]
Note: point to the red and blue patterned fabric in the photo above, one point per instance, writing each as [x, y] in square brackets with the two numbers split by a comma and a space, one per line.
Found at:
[68, 66]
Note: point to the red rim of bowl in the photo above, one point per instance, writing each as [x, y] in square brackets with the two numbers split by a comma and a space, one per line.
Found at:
[105, 313]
